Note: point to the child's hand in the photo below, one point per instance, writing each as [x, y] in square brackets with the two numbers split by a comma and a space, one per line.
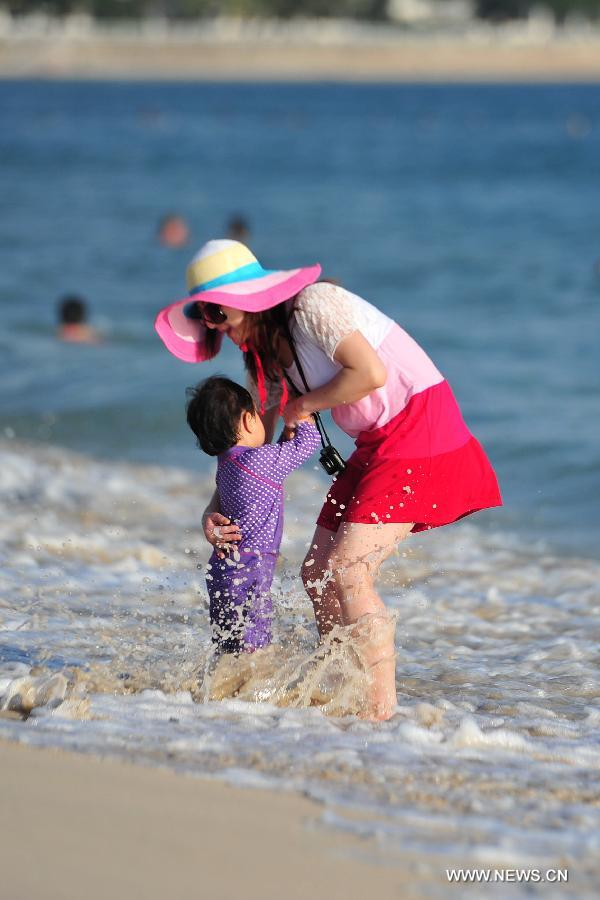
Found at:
[221, 533]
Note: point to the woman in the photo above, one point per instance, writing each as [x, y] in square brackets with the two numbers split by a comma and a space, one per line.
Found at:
[416, 465]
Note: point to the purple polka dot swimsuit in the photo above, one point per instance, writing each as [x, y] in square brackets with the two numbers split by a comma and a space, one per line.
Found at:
[250, 485]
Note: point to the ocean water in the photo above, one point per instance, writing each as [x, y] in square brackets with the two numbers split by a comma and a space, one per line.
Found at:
[471, 215]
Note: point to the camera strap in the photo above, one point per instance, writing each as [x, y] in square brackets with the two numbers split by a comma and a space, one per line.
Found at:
[320, 427]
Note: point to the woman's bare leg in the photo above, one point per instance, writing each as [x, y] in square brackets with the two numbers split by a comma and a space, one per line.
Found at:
[350, 564]
[317, 577]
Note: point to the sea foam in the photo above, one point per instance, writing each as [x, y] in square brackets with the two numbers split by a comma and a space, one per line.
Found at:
[493, 752]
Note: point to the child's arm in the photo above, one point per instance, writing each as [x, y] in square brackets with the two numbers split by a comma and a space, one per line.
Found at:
[288, 432]
[273, 462]
[292, 452]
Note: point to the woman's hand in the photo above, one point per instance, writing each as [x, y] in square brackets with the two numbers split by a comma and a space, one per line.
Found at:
[220, 532]
[295, 412]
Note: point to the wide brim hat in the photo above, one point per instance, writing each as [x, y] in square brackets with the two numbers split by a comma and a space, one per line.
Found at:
[226, 273]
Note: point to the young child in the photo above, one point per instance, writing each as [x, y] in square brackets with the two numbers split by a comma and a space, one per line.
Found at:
[250, 478]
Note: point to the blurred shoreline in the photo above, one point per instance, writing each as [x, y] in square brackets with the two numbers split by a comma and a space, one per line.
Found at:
[305, 50]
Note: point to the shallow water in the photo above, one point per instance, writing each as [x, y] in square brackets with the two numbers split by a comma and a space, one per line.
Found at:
[491, 758]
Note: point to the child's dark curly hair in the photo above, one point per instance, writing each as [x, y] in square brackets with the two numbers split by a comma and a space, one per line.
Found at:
[214, 409]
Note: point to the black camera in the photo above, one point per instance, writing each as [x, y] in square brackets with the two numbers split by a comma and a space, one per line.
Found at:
[331, 461]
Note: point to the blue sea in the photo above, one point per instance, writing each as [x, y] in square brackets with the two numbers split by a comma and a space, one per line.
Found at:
[471, 215]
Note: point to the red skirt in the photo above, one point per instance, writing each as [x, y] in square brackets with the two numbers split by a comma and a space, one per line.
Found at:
[424, 466]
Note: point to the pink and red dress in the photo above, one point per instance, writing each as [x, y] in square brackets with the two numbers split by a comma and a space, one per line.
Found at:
[415, 459]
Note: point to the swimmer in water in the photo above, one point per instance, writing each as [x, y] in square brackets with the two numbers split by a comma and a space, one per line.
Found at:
[72, 322]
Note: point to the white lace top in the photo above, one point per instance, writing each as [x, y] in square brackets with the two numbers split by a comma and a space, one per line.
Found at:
[324, 314]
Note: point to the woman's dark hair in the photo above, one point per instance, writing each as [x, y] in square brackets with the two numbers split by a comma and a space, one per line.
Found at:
[211, 337]
[267, 328]
[214, 409]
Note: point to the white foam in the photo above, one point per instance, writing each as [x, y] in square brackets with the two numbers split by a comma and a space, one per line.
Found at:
[104, 632]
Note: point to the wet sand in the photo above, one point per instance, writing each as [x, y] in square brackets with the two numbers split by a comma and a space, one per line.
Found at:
[432, 59]
[76, 826]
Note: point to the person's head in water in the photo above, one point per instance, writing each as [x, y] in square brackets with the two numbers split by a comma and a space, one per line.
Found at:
[238, 229]
[72, 310]
[72, 321]
[173, 231]
[222, 414]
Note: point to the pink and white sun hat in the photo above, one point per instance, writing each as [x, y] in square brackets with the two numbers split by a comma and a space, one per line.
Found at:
[228, 274]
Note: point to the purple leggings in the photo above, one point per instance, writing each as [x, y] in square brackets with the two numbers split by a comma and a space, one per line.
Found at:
[241, 606]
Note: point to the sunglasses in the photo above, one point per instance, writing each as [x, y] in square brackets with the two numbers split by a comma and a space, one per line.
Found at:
[207, 312]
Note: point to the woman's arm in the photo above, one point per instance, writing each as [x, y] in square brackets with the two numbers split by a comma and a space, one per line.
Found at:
[362, 373]
[218, 530]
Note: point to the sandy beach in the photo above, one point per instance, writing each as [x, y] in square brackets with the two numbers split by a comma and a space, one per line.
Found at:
[75, 826]
[305, 55]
